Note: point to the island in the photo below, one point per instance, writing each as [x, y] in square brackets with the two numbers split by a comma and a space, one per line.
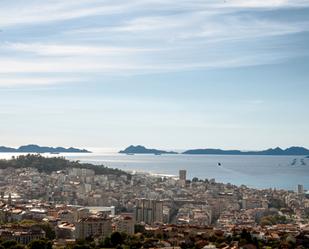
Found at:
[292, 151]
[143, 150]
[33, 148]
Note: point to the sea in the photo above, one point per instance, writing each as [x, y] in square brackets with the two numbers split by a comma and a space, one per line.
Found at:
[262, 172]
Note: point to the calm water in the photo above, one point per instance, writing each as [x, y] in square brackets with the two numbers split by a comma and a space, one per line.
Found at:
[253, 171]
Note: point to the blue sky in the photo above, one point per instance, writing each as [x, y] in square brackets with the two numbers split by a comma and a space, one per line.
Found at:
[162, 73]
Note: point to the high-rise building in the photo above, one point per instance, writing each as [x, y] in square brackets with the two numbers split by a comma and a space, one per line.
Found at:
[93, 226]
[300, 189]
[182, 175]
[125, 224]
[148, 211]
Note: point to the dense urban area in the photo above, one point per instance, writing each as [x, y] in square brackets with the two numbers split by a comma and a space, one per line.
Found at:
[55, 203]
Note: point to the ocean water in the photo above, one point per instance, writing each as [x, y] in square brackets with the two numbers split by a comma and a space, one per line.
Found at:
[281, 172]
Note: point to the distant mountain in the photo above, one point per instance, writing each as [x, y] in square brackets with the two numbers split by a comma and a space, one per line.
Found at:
[212, 152]
[33, 148]
[292, 151]
[6, 149]
[143, 150]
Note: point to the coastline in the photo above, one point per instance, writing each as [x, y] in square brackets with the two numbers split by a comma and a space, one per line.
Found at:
[259, 172]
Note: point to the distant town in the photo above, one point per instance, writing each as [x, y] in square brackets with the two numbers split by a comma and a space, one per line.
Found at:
[80, 206]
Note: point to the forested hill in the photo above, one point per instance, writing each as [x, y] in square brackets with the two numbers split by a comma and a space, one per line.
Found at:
[48, 165]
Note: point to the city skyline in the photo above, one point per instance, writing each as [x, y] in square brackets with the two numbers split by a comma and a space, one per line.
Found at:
[216, 74]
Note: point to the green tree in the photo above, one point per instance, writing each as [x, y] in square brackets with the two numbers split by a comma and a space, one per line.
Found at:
[40, 244]
[116, 239]
[49, 231]
[195, 179]
[81, 247]
[245, 235]
[18, 246]
[139, 228]
[9, 244]
[106, 242]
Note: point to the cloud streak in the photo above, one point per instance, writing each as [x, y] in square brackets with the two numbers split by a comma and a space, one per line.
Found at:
[9, 81]
[140, 37]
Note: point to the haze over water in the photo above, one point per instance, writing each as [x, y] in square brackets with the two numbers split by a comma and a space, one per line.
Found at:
[253, 171]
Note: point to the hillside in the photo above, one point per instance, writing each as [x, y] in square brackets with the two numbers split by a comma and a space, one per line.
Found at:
[48, 165]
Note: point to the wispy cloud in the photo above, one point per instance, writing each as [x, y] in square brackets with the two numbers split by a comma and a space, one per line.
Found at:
[140, 36]
[36, 12]
[8, 81]
[74, 50]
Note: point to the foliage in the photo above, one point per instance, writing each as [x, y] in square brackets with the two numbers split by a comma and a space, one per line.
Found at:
[48, 165]
[116, 239]
[246, 236]
[193, 241]
[9, 243]
[276, 203]
[106, 242]
[40, 244]
[139, 228]
[49, 231]
[306, 212]
[195, 179]
[81, 247]
[273, 220]
[18, 246]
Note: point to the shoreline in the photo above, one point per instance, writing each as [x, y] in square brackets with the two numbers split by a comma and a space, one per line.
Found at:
[233, 169]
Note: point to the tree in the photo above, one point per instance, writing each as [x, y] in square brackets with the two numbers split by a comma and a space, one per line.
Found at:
[18, 246]
[9, 243]
[106, 242]
[40, 244]
[246, 236]
[116, 239]
[81, 247]
[50, 232]
[139, 228]
[195, 179]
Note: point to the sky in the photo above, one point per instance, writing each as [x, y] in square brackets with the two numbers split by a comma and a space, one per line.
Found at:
[231, 74]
